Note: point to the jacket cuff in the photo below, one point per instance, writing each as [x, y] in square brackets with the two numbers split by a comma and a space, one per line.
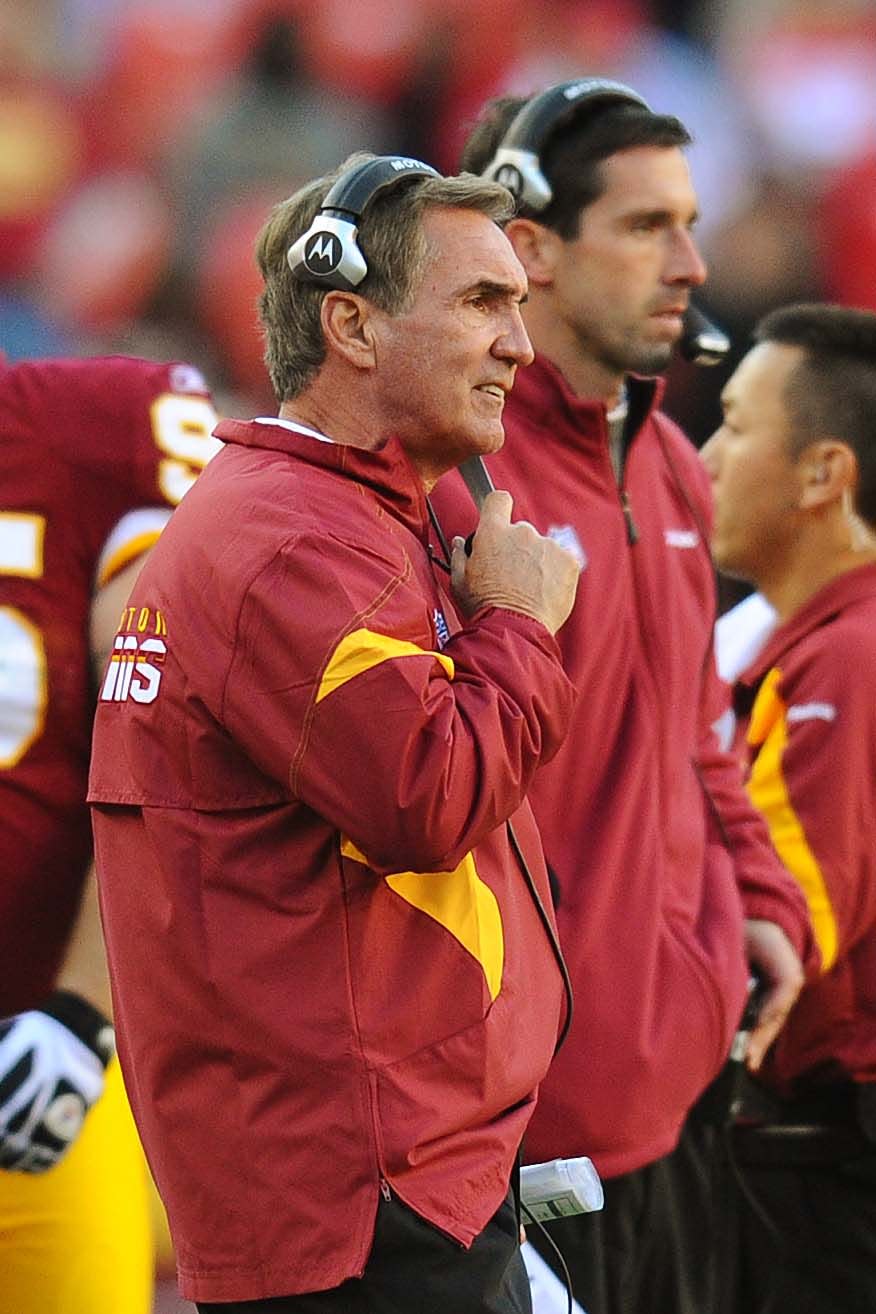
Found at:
[798, 928]
[498, 618]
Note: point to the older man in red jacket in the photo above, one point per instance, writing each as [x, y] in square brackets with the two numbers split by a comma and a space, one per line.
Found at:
[336, 977]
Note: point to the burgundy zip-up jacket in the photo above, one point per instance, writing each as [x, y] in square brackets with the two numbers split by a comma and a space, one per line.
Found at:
[644, 819]
[328, 972]
[811, 745]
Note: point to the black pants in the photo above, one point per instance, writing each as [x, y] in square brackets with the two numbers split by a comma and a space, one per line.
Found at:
[651, 1249]
[414, 1267]
[804, 1239]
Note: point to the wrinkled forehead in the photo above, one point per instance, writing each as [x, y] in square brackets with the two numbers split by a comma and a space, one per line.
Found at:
[465, 248]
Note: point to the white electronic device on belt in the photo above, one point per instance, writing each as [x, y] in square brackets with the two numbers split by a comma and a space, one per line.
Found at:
[559, 1189]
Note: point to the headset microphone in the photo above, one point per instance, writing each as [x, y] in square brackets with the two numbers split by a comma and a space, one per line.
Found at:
[702, 341]
[479, 483]
[328, 253]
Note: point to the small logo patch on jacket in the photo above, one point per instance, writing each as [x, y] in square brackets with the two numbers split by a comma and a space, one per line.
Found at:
[811, 712]
[136, 663]
[681, 538]
[134, 670]
[442, 633]
[566, 537]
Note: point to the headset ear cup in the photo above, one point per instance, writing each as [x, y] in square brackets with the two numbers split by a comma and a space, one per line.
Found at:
[520, 172]
[517, 163]
[328, 254]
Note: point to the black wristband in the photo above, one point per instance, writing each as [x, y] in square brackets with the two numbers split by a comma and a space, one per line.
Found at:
[86, 1022]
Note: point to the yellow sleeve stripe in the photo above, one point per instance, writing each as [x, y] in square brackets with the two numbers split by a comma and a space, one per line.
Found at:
[134, 534]
[364, 649]
[461, 902]
[768, 731]
[125, 554]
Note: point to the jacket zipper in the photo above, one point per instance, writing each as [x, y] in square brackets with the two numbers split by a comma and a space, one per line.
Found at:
[619, 441]
[632, 531]
[384, 1189]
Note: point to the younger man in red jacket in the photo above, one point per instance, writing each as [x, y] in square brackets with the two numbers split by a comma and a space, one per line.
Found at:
[793, 470]
[667, 879]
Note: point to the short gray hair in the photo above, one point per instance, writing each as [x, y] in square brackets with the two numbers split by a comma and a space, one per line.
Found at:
[395, 249]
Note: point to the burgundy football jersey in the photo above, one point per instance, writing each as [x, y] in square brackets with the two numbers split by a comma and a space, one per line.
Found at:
[94, 454]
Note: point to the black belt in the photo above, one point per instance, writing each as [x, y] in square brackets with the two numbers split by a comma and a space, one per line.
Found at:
[826, 1124]
[792, 1143]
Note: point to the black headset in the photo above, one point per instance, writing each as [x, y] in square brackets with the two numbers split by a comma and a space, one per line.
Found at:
[328, 253]
[517, 165]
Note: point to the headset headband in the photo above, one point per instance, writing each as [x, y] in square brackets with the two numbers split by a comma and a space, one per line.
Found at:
[328, 253]
[517, 163]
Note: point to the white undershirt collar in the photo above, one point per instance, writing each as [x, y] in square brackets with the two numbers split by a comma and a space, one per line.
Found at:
[294, 426]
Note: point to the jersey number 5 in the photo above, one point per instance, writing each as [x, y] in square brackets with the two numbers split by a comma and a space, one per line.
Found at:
[22, 653]
[182, 429]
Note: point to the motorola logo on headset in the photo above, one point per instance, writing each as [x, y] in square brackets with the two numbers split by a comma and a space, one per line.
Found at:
[511, 177]
[406, 163]
[602, 87]
[322, 253]
[328, 253]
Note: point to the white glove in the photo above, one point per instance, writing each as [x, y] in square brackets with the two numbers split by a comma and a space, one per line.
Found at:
[52, 1062]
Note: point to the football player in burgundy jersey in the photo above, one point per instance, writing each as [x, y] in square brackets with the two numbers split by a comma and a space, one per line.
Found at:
[94, 455]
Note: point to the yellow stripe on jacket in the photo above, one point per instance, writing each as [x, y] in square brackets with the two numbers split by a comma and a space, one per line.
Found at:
[461, 902]
[768, 735]
[363, 649]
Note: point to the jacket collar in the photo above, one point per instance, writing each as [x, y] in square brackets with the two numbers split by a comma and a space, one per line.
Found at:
[387, 472]
[541, 391]
[851, 586]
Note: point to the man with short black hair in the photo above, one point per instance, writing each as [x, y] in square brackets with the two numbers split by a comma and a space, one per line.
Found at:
[336, 975]
[793, 469]
[643, 817]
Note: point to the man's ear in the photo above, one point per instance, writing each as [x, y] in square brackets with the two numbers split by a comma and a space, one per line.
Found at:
[537, 248]
[829, 473]
[346, 320]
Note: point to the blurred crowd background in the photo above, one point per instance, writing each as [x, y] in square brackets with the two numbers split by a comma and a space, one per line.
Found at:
[143, 141]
